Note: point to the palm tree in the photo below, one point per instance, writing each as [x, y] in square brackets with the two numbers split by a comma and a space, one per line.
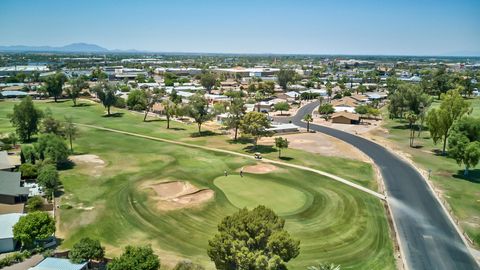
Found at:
[412, 118]
[308, 118]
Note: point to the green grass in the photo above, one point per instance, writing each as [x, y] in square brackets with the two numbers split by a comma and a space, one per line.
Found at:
[334, 222]
[461, 193]
[253, 190]
[94, 114]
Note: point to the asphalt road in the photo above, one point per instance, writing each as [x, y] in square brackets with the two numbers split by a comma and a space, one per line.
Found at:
[429, 240]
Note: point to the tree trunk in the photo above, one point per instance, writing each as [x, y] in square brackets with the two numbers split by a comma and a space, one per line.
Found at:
[145, 116]
[466, 171]
[279, 152]
[168, 122]
[71, 145]
[55, 98]
[74, 102]
[308, 126]
[108, 110]
[444, 144]
[199, 128]
[236, 133]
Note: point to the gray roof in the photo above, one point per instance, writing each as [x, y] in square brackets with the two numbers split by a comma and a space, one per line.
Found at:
[5, 161]
[7, 221]
[10, 184]
[58, 264]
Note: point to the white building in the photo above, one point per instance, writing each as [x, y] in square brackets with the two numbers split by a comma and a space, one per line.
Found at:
[7, 221]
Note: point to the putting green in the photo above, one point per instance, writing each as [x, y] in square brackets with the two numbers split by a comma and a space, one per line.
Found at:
[334, 223]
[253, 190]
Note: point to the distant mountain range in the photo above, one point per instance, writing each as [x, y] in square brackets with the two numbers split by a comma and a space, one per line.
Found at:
[71, 48]
[93, 48]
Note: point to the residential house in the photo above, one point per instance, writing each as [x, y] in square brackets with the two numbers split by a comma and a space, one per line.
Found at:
[11, 191]
[7, 221]
[51, 263]
[345, 118]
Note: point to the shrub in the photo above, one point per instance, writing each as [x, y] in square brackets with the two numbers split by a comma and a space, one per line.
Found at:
[34, 203]
[29, 171]
[187, 265]
[120, 103]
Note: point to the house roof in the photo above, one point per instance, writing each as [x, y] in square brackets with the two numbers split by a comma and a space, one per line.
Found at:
[7, 221]
[58, 264]
[5, 162]
[349, 115]
[345, 102]
[10, 184]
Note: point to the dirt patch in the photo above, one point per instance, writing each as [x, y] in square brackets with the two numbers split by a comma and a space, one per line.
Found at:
[260, 168]
[174, 195]
[94, 162]
[320, 143]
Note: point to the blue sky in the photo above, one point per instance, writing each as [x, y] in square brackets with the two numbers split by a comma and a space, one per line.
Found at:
[421, 27]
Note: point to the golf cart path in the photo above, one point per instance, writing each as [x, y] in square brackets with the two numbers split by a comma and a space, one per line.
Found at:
[427, 234]
[329, 175]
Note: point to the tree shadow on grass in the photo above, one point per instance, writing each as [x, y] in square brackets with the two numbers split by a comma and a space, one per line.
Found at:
[114, 115]
[204, 134]
[438, 152]
[176, 128]
[263, 149]
[473, 176]
[241, 140]
[83, 105]
[58, 101]
[67, 165]
[286, 158]
[401, 127]
[153, 120]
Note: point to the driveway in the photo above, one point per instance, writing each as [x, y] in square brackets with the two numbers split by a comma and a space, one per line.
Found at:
[428, 239]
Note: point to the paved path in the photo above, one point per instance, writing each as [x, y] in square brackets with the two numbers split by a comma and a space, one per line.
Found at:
[428, 238]
[329, 175]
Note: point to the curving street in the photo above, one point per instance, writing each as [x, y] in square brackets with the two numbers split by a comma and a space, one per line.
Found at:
[428, 239]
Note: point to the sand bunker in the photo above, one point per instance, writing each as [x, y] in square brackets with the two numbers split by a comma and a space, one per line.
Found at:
[94, 163]
[92, 159]
[260, 168]
[178, 194]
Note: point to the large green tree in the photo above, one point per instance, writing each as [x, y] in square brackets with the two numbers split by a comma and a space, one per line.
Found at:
[33, 226]
[26, 119]
[255, 124]
[284, 77]
[85, 250]
[48, 178]
[75, 88]
[281, 106]
[252, 239]
[198, 110]
[440, 120]
[138, 258]
[106, 93]
[463, 143]
[236, 111]
[54, 84]
[281, 143]
[137, 100]
[52, 147]
[208, 81]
